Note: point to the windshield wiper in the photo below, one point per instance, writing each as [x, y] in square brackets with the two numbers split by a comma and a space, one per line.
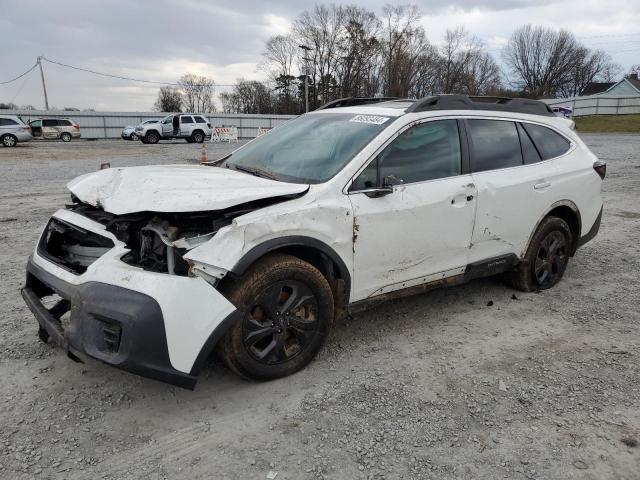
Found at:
[257, 171]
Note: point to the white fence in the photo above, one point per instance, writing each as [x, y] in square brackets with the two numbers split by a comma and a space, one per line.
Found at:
[110, 124]
[598, 105]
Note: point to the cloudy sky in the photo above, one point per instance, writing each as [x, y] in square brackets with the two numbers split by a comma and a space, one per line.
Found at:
[162, 39]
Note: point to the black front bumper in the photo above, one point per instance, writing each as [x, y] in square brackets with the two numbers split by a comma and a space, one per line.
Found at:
[117, 326]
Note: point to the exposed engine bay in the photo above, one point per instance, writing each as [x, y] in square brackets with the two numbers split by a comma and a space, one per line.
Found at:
[157, 241]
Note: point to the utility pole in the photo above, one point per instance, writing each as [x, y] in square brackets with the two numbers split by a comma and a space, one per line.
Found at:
[306, 76]
[44, 85]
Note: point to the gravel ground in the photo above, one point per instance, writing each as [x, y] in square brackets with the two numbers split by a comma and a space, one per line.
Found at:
[475, 381]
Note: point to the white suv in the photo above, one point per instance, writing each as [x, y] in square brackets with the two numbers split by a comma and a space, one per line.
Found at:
[256, 254]
[194, 128]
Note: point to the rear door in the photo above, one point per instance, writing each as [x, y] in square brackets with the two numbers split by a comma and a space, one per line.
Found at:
[515, 187]
[420, 232]
[50, 128]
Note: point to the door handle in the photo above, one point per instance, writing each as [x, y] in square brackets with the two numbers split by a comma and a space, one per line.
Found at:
[542, 185]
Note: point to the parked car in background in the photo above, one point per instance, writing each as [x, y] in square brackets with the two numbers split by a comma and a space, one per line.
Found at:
[255, 255]
[565, 112]
[13, 130]
[129, 132]
[194, 128]
[53, 128]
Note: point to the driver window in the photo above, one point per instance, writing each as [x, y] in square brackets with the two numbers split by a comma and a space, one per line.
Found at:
[427, 151]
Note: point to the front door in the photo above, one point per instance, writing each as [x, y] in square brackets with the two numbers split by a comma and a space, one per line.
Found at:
[36, 128]
[167, 126]
[420, 232]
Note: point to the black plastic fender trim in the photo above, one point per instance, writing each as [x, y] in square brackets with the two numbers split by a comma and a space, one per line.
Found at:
[290, 241]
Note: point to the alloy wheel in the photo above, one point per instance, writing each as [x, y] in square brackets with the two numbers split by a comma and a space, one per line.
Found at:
[551, 258]
[281, 323]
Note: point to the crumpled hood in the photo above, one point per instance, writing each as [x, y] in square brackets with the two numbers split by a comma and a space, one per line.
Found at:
[174, 188]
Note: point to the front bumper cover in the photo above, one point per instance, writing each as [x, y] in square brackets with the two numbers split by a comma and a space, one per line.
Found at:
[115, 325]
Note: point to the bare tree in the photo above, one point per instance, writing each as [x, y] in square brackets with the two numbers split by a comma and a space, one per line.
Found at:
[197, 93]
[542, 60]
[280, 55]
[588, 67]
[247, 97]
[169, 100]
[611, 73]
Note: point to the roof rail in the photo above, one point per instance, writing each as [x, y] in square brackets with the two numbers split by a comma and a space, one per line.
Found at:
[354, 101]
[466, 102]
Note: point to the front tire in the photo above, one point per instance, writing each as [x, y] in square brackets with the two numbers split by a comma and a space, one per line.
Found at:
[65, 137]
[546, 258]
[9, 140]
[286, 308]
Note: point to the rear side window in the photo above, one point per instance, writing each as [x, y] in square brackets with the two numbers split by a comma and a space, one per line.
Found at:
[529, 151]
[200, 120]
[550, 144]
[49, 123]
[425, 152]
[186, 119]
[494, 144]
[7, 121]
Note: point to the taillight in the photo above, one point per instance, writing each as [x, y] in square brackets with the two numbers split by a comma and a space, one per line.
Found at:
[77, 127]
[601, 168]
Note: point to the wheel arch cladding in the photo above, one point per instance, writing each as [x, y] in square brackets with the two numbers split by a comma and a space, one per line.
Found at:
[309, 249]
[569, 212]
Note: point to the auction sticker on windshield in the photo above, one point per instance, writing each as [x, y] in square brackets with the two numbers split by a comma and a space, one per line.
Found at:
[372, 119]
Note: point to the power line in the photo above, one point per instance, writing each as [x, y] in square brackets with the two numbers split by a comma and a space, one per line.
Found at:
[120, 77]
[19, 76]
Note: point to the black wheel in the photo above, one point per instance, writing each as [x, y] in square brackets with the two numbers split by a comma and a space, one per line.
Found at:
[152, 137]
[286, 308]
[9, 141]
[546, 258]
[65, 137]
[197, 136]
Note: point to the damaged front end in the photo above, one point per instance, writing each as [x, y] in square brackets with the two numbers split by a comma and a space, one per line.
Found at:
[156, 242]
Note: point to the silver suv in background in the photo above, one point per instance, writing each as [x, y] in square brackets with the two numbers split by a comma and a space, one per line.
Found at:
[52, 128]
[129, 132]
[194, 128]
[13, 130]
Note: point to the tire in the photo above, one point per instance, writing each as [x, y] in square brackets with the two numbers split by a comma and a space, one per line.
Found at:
[142, 139]
[9, 140]
[546, 258]
[152, 137]
[197, 136]
[286, 308]
[65, 137]
[189, 140]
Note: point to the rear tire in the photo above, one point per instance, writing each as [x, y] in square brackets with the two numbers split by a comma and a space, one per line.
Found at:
[9, 140]
[286, 308]
[65, 137]
[152, 137]
[197, 137]
[546, 258]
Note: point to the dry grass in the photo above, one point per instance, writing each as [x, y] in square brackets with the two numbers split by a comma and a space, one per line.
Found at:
[609, 123]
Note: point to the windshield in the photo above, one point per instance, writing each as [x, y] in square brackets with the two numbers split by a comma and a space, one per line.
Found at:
[308, 149]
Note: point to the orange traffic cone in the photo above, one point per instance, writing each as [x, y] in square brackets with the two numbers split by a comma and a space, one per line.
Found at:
[203, 155]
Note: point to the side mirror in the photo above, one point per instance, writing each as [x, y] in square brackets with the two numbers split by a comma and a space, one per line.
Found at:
[391, 180]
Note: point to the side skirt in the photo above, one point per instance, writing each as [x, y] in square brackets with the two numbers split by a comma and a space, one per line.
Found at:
[483, 268]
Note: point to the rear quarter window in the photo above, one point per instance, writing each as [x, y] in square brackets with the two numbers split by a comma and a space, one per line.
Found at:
[550, 144]
[7, 121]
[200, 120]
